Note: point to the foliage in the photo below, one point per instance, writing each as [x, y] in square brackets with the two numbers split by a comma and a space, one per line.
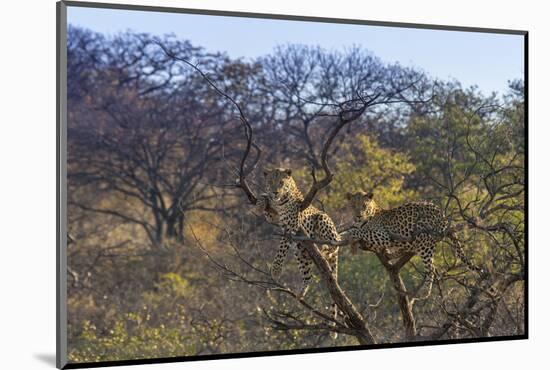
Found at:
[366, 166]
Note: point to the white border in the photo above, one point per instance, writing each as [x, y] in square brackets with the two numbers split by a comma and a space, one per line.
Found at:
[28, 181]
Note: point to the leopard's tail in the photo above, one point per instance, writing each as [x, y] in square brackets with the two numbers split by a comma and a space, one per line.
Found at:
[460, 253]
[449, 232]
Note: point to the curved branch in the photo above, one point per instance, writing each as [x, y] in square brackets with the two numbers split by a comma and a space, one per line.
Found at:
[345, 116]
[241, 182]
[353, 317]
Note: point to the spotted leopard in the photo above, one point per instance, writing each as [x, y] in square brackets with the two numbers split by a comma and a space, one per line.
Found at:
[413, 227]
[284, 200]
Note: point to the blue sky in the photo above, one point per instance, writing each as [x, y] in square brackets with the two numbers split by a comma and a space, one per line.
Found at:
[483, 59]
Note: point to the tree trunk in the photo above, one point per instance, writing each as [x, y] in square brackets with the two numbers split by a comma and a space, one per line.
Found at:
[404, 302]
[354, 318]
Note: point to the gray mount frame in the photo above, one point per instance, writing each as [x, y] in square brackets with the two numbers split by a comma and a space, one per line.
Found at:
[61, 190]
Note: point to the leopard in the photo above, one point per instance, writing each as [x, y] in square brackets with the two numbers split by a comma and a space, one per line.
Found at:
[281, 203]
[413, 227]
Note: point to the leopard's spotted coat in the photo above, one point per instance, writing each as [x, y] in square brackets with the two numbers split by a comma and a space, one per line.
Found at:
[285, 199]
[413, 227]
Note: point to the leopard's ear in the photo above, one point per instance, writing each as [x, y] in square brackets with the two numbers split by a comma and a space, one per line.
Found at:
[288, 171]
[369, 195]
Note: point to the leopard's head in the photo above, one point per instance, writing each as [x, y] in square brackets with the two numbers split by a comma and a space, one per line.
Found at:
[362, 204]
[279, 183]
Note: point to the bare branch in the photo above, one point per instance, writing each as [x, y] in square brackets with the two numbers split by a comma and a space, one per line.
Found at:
[345, 116]
[242, 183]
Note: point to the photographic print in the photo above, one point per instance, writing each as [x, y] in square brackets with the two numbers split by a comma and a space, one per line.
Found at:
[241, 185]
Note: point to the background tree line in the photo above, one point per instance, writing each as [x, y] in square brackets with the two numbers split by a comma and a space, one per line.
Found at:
[167, 258]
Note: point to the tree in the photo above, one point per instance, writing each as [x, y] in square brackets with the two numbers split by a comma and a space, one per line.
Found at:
[141, 129]
[476, 147]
